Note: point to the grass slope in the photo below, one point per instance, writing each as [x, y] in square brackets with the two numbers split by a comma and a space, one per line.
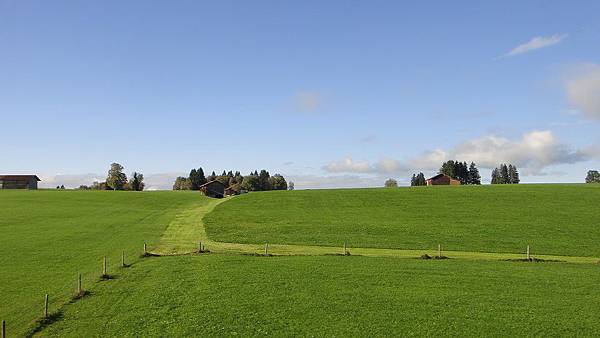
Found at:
[226, 295]
[48, 237]
[554, 219]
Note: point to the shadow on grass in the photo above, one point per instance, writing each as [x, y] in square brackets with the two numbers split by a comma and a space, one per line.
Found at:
[533, 259]
[107, 277]
[80, 295]
[426, 256]
[40, 324]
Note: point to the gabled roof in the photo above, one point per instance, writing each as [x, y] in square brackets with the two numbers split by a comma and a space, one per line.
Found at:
[19, 177]
[442, 175]
[213, 181]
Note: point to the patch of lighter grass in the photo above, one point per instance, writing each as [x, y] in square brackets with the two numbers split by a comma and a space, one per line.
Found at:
[186, 230]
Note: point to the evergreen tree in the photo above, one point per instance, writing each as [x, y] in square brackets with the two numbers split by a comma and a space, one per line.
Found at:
[421, 181]
[201, 178]
[473, 175]
[495, 176]
[513, 174]
[238, 177]
[196, 178]
[504, 177]
[263, 180]
[447, 168]
[418, 180]
[193, 177]
[137, 182]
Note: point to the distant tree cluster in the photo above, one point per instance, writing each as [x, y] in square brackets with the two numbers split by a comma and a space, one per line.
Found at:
[391, 183]
[467, 175]
[505, 174]
[117, 180]
[255, 181]
[418, 180]
[593, 176]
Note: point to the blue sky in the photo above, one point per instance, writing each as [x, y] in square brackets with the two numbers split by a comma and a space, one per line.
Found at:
[328, 93]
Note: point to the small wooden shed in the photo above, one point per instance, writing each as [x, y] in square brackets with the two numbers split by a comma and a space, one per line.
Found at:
[19, 182]
[442, 179]
[213, 188]
[233, 190]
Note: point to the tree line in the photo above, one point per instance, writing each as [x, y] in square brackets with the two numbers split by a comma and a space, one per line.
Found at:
[466, 174]
[505, 174]
[255, 181]
[117, 180]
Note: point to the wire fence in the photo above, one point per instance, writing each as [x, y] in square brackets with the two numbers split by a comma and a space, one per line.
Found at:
[45, 307]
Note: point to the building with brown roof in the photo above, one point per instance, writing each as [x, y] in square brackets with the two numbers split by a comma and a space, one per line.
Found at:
[19, 181]
[213, 188]
[442, 179]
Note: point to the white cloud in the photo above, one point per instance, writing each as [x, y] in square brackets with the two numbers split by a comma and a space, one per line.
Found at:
[583, 90]
[537, 43]
[162, 181]
[328, 182]
[348, 165]
[68, 180]
[532, 153]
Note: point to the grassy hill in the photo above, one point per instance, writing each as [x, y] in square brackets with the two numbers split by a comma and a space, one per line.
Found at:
[228, 295]
[49, 237]
[553, 219]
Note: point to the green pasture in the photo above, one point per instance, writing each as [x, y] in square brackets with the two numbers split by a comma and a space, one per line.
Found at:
[49, 237]
[553, 219]
[305, 288]
[246, 296]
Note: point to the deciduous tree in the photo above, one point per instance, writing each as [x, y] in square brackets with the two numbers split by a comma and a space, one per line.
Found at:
[116, 179]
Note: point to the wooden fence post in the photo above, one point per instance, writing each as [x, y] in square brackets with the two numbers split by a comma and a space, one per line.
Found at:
[145, 251]
[439, 250]
[104, 267]
[345, 250]
[266, 249]
[46, 306]
[199, 247]
[3, 329]
[79, 285]
[123, 258]
[528, 254]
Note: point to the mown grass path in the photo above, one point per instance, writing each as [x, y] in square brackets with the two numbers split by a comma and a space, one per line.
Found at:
[187, 229]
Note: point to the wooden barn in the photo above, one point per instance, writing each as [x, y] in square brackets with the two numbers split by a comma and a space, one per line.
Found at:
[19, 181]
[233, 190]
[213, 188]
[442, 179]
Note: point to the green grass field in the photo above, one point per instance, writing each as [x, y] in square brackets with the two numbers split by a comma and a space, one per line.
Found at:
[553, 219]
[51, 236]
[224, 295]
